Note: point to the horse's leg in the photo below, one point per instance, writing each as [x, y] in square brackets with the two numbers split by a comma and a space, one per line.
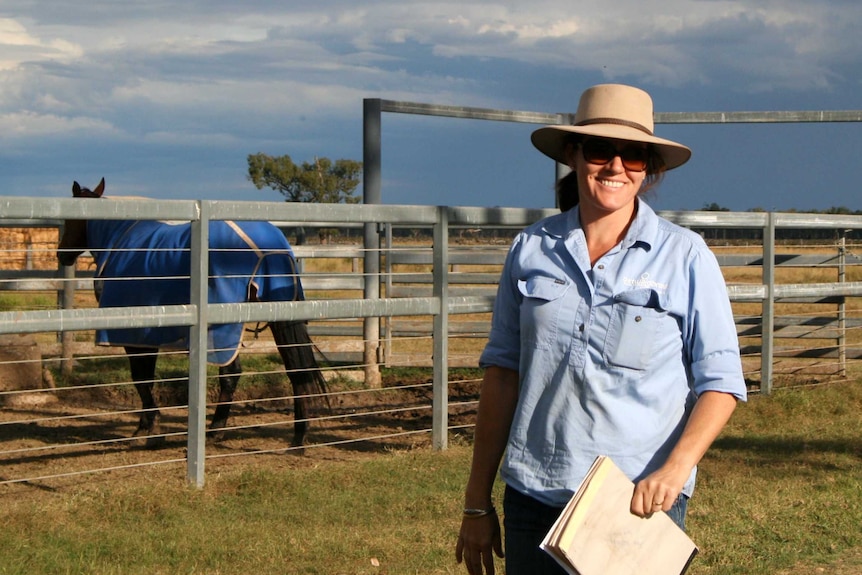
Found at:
[228, 379]
[296, 350]
[142, 362]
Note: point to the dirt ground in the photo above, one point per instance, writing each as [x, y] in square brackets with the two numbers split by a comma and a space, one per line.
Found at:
[55, 442]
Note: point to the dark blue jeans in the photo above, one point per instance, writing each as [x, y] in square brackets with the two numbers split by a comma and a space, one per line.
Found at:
[527, 521]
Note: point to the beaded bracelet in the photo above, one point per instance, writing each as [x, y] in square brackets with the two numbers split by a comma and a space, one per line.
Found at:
[476, 513]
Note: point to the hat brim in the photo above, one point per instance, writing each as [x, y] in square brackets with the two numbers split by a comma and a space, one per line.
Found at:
[552, 140]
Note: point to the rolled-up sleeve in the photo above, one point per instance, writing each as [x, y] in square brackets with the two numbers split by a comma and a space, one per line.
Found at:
[711, 339]
[504, 341]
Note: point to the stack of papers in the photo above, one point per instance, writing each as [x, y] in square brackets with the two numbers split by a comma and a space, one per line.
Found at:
[597, 534]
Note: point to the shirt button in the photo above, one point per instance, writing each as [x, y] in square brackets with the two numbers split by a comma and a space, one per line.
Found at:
[638, 318]
[601, 266]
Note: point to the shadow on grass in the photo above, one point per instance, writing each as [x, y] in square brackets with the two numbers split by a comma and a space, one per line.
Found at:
[786, 453]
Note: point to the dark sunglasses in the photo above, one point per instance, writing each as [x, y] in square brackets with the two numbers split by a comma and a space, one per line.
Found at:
[599, 152]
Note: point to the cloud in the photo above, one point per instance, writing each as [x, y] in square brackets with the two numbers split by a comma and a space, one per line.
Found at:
[29, 125]
[18, 46]
[267, 73]
[789, 45]
[319, 56]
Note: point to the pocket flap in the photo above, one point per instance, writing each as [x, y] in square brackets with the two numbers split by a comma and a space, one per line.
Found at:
[643, 297]
[544, 288]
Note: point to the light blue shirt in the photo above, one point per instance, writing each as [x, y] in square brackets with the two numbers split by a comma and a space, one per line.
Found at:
[611, 357]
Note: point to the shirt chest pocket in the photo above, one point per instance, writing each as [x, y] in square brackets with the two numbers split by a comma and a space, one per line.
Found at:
[540, 309]
[641, 331]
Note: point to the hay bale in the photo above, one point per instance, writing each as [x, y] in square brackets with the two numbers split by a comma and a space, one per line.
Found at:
[20, 370]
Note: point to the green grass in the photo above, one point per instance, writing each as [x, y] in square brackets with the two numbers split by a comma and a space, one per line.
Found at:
[335, 518]
[14, 301]
[782, 487]
[783, 483]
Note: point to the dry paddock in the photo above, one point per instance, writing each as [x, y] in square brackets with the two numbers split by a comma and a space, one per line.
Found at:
[56, 438]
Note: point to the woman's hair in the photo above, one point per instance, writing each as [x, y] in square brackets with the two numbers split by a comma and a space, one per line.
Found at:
[566, 187]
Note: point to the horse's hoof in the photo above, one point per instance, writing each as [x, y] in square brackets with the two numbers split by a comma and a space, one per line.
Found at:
[296, 447]
[215, 436]
[216, 431]
[155, 442]
[146, 441]
[148, 434]
[138, 441]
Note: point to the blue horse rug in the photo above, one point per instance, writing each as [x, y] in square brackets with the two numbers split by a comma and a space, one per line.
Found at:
[147, 263]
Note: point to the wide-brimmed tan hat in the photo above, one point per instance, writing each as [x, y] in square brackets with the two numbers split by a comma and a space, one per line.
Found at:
[611, 111]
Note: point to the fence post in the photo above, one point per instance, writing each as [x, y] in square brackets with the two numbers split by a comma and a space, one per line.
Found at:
[387, 321]
[842, 306]
[440, 401]
[67, 302]
[767, 338]
[371, 194]
[198, 346]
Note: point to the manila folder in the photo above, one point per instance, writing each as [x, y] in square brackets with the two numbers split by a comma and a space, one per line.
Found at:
[597, 534]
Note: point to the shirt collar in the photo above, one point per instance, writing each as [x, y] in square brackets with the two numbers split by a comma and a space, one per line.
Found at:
[562, 225]
[642, 232]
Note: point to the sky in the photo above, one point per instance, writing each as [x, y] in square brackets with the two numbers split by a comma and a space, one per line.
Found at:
[167, 99]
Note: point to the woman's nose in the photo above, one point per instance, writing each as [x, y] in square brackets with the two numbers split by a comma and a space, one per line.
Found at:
[616, 164]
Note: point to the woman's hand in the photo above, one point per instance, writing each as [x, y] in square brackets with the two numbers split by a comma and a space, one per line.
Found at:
[478, 537]
[658, 491]
[480, 533]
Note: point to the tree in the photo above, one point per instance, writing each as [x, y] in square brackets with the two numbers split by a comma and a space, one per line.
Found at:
[322, 181]
[839, 210]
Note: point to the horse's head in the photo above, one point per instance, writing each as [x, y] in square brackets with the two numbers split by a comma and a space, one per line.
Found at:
[74, 240]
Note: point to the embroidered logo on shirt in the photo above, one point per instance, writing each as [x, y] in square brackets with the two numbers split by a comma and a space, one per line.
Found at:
[645, 282]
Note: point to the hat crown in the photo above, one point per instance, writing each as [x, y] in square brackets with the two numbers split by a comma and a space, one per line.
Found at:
[616, 104]
[613, 111]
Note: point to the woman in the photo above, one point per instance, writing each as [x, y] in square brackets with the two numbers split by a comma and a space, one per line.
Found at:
[612, 335]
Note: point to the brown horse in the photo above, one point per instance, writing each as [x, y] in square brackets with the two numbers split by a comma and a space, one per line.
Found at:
[249, 261]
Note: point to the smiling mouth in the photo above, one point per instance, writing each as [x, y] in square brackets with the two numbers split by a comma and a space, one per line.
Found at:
[611, 183]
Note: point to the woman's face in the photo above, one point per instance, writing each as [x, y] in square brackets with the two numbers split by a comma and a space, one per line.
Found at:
[610, 186]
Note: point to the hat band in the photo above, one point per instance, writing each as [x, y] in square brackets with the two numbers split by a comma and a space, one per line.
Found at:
[617, 122]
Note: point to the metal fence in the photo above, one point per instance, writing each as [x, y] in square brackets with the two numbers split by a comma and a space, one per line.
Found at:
[768, 293]
[405, 294]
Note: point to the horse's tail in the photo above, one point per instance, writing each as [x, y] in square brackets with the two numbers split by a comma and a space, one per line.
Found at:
[297, 353]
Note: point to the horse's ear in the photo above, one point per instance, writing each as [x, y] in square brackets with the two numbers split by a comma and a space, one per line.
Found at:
[76, 189]
[100, 189]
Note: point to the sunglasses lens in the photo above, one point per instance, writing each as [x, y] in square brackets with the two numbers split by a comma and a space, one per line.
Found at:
[598, 151]
[601, 152]
[634, 159]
